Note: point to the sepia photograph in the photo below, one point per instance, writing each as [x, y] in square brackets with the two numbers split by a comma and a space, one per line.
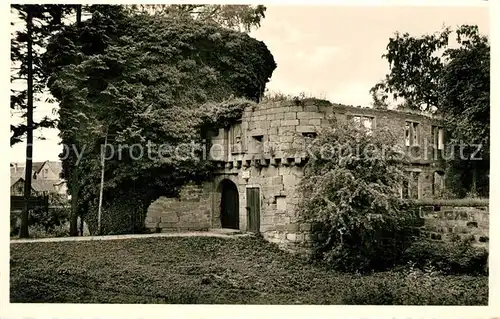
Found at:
[237, 154]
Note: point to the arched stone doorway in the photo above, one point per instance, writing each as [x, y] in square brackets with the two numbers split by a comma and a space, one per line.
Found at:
[229, 206]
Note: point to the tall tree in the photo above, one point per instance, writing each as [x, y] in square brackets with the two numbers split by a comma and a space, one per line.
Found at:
[73, 227]
[415, 67]
[29, 141]
[46, 19]
[236, 17]
[428, 75]
[26, 44]
[464, 89]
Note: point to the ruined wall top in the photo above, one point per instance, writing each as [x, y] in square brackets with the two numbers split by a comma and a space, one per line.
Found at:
[326, 106]
[277, 131]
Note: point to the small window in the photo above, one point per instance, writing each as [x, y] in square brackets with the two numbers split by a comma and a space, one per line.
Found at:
[236, 138]
[310, 134]
[415, 185]
[367, 123]
[411, 186]
[416, 134]
[363, 121]
[256, 144]
[404, 192]
[258, 138]
[407, 134]
[412, 133]
[440, 143]
[438, 183]
[437, 136]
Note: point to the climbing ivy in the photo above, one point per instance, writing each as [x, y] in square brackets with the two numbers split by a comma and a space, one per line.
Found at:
[150, 83]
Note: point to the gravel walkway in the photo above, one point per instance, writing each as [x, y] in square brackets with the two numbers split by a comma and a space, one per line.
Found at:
[222, 233]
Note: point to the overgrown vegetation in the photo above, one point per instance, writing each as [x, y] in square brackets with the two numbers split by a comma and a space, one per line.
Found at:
[351, 193]
[44, 19]
[414, 286]
[350, 189]
[449, 257]
[427, 75]
[203, 270]
[143, 81]
[45, 223]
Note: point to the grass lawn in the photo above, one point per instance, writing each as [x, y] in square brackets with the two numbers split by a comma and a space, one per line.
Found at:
[243, 270]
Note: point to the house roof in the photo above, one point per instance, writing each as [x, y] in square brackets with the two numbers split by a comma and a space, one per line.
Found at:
[38, 185]
[55, 166]
[14, 180]
[41, 185]
[19, 171]
[37, 167]
[16, 173]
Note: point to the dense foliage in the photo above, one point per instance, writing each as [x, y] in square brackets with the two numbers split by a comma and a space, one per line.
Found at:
[429, 75]
[49, 19]
[453, 257]
[46, 20]
[414, 286]
[142, 81]
[45, 222]
[351, 189]
[465, 104]
[236, 17]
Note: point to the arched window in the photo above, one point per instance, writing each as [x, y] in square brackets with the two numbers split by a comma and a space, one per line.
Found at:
[437, 183]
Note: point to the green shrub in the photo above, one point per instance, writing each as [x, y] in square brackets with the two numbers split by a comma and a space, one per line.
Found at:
[43, 222]
[353, 193]
[123, 217]
[50, 218]
[39, 231]
[14, 223]
[418, 287]
[454, 257]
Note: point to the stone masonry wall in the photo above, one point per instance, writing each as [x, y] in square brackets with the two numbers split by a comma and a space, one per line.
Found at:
[191, 211]
[446, 222]
[267, 149]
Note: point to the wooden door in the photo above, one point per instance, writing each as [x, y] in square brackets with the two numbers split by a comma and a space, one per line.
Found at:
[253, 209]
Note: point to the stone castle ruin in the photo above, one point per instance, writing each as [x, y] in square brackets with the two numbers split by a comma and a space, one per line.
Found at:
[261, 159]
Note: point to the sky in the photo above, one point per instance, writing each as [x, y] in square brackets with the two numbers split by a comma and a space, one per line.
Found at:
[331, 52]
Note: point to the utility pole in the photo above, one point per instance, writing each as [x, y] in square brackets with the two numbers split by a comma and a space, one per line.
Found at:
[74, 202]
[24, 233]
[102, 185]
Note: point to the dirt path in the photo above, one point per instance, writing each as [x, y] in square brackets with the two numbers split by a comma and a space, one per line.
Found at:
[222, 233]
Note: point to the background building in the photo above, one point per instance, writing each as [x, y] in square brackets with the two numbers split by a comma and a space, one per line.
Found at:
[46, 179]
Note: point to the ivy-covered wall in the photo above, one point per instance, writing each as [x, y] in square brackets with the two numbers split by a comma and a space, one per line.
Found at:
[190, 211]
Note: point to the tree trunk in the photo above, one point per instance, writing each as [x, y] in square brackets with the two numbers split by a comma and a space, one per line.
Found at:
[78, 13]
[73, 221]
[82, 224]
[473, 184]
[24, 233]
